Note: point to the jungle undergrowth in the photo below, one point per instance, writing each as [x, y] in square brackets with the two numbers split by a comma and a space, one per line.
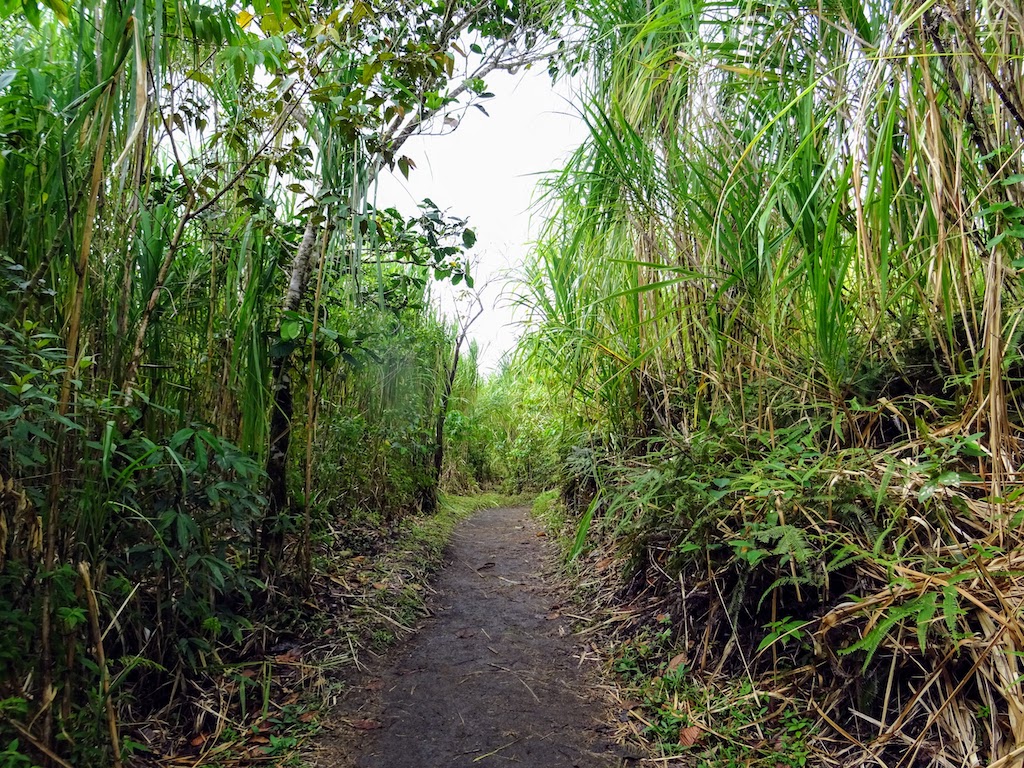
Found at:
[669, 709]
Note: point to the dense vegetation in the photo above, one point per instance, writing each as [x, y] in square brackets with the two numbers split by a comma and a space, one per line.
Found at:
[773, 366]
[219, 359]
[780, 288]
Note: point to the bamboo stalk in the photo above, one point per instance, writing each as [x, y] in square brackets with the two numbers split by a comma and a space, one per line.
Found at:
[50, 557]
[101, 662]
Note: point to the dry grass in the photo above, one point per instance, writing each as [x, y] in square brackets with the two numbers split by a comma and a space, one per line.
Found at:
[916, 660]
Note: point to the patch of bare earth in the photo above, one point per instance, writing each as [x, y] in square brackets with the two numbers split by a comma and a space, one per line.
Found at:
[494, 677]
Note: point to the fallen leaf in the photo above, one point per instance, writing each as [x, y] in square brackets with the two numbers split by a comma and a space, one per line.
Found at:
[464, 633]
[366, 725]
[307, 717]
[199, 740]
[603, 563]
[374, 685]
[553, 615]
[380, 585]
[541, 534]
[260, 740]
[689, 735]
[677, 661]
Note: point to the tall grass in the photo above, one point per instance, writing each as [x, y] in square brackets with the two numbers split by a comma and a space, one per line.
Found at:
[799, 216]
[764, 189]
[193, 272]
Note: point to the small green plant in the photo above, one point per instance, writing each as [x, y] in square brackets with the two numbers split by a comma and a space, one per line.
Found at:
[131, 748]
[717, 724]
[640, 656]
[280, 745]
[785, 632]
[13, 757]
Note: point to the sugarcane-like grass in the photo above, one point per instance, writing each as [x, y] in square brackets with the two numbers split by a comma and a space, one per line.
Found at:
[780, 277]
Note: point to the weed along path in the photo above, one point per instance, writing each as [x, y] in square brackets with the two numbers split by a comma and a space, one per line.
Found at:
[493, 677]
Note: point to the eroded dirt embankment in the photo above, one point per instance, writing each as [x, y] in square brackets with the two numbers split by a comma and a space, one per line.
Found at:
[492, 678]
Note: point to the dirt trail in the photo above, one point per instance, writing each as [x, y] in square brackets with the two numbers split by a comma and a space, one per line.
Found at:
[492, 678]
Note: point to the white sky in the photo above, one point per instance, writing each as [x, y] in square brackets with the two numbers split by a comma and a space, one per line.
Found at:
[486, 171]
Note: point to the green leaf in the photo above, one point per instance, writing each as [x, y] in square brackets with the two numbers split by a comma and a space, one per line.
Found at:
[31, 11]
[290, 329]
[951, 610]
[185, 530]
[1002, 205]
[583, 529]
[180, 437]
[360, 11]
[468, 238]
[872, 641]
[926, 612]
[1014, 232]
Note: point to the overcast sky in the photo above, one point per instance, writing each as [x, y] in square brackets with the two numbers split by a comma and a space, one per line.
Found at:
[486, 170]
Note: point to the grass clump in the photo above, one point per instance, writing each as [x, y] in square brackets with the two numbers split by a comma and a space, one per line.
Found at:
[727, 724]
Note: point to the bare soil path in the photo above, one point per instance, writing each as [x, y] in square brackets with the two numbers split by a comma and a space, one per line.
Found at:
[493, 677]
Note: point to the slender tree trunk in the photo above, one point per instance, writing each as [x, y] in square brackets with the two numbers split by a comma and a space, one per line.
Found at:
[272, 532]
[429, 496]
[429, 502]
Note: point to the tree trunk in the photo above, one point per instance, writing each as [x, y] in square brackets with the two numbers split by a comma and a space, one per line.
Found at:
[429, 498]
[272, 532]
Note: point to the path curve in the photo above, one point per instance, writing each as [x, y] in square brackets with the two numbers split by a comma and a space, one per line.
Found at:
[493, 678]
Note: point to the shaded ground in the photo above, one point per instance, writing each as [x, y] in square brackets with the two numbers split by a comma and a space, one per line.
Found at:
[491, 679]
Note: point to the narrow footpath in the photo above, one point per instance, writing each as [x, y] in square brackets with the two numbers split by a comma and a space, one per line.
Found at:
[494, 676]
